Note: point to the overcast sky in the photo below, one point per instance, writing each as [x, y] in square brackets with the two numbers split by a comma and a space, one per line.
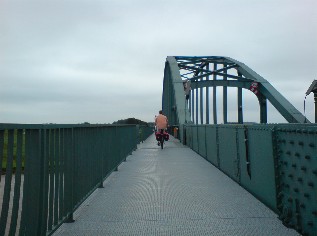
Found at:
[97, 61]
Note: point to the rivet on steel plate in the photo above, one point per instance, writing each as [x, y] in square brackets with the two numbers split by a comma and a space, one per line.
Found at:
[307, 157]
[280, 195]
[310, 184]
[310, 223]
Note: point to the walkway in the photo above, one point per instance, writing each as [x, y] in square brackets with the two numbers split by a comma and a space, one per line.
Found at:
[172, 192]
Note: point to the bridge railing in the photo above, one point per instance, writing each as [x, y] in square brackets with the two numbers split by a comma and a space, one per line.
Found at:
[49, 170]
[276, 163]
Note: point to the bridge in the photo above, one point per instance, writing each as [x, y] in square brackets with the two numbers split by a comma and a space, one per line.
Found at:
[213, 178]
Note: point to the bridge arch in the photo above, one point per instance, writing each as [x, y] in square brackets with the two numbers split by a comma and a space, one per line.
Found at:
[213, 71]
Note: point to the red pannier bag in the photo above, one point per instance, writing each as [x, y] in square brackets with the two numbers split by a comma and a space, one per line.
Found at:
[166, 136]
[158, 136]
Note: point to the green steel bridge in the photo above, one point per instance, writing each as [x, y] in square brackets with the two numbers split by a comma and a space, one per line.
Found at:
[49, 172]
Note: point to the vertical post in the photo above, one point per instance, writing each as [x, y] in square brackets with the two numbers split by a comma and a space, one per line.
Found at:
[7, 186]
[44, 182]
[263, 109]
[315, 100]
[16, 199]
[70, 175]
[201, 104]
[225, 96]
[215, 96]
[57, 173]
[207, 97]
[196, 103]
[192, 105]
[101, 131]
[240, 111]
[32, 199]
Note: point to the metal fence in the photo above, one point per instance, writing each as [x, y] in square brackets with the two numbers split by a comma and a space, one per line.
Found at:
[49, 170]
[276, 163]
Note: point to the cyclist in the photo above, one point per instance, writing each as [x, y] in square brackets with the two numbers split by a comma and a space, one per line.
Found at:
[161, 123]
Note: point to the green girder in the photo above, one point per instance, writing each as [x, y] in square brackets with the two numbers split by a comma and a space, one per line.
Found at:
[195, 69]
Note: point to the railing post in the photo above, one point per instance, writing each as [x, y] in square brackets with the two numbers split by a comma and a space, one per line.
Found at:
[315, 101]
[32, 198]
[103, 153]
[7, 184]
[18, 175]
[69, 175]
[218, 144]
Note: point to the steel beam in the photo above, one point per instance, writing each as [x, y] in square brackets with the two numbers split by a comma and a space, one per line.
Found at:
[285, 108]
[214, 95]
[175, 105]
[240, 108]
[225, 98]
[207, 98]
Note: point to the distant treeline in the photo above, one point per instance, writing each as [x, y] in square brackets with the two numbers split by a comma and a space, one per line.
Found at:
[130, 121]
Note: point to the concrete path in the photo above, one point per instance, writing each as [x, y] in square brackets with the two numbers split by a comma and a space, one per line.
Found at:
[173, 192]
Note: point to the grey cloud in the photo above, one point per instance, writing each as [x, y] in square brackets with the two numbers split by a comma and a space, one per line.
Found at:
[100, 61]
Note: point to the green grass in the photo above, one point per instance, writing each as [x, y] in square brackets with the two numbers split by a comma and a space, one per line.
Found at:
[5, 151]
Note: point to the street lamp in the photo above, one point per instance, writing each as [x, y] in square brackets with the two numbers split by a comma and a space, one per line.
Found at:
[313, 89]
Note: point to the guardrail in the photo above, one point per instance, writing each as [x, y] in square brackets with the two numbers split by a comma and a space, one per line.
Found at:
[49, 170]
[275, 163]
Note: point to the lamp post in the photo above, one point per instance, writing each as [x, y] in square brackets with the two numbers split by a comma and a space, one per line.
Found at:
[313, 89]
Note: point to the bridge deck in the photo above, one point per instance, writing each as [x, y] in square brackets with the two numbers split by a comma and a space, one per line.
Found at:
[172, 192]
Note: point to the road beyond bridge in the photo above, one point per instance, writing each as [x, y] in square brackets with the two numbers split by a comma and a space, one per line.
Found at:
[173, 191]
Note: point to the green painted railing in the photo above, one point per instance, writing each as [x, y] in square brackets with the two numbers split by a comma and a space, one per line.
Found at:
[276, 163]
[49, 170]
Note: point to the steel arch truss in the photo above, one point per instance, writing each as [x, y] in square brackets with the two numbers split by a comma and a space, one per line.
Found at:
[213, 71]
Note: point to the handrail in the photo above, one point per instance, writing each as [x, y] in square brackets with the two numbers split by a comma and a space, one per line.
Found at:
[51, 169]
[277, 163]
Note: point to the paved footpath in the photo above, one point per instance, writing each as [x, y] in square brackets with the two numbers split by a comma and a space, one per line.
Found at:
[172, 192]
